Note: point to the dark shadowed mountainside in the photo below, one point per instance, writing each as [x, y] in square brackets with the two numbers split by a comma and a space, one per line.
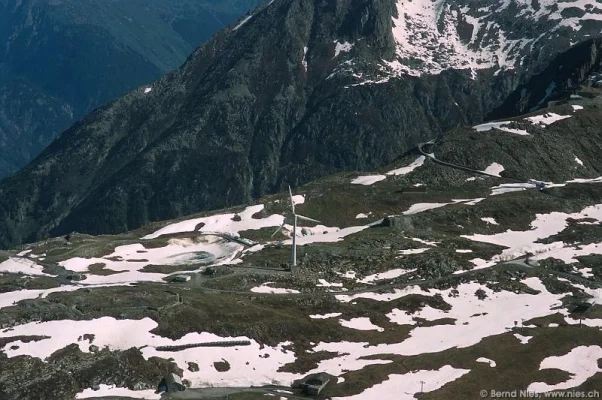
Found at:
[294, 91]
[61, 59]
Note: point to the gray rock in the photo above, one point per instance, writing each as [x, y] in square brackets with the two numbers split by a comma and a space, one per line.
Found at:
[193, 367]
[400, 222]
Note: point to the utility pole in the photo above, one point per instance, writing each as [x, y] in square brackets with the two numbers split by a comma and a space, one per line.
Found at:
[421, 386]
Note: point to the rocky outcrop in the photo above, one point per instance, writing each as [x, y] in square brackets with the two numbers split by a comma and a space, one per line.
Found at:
[564, 77]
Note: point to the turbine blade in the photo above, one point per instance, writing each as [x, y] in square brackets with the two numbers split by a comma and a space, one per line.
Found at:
[278, 230]
[290, 192]
[308, 219]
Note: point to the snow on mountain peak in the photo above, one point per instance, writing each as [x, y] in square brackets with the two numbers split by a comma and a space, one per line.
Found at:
[436, 35]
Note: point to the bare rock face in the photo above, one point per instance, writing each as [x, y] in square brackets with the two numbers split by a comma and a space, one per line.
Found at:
[62, 375]
[298, 90]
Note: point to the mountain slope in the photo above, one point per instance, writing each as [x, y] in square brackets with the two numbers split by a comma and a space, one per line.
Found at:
[297, 90]
[418, 271]
[59, 60]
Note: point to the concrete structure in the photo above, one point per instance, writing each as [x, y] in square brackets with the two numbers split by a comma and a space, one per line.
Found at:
[180, 278]
[313, 385]
[171, 383]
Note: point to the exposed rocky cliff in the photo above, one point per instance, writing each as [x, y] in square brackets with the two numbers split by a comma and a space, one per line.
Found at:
[566, 75]
[61, 59]
[296, 90]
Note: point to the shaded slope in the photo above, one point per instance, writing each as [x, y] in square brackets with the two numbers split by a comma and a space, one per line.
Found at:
[564, 76]
[60, 60]
[268, 102]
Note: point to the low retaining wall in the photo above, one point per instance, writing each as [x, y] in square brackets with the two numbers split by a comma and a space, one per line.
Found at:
[207, 344]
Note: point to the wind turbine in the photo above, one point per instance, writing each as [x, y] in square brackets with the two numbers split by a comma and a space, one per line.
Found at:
[294, 216]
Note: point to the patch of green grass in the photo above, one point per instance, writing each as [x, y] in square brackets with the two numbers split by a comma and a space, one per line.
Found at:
[271, 257]
[99, 269]
[545, 321]
[13, 282]
[260, 235]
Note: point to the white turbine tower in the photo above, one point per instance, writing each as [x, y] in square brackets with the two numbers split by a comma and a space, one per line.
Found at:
[294, 216]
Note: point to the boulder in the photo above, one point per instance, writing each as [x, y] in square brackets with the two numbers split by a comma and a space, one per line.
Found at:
[401, 222]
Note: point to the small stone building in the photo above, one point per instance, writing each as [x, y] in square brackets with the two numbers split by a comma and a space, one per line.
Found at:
[180, 278]
[171, 383]
[314, 384]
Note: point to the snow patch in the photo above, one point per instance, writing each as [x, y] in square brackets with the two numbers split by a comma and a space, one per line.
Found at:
[252, 365]
[341, 47]
[368, 179]
[474, 319]
[25, 266]
[420, 207]
[406, 170]
[371, 179]
[404, 387]
[266, 288]
[222, 223]
[391, 274]
[361, 323]
[581, 363]
[494, 169]
[546, 119]
[491, 363]
[511, 187]
[499, 126]
[519, 243]
[324, 316]
[325, 283]
[523, 339]
[406, 252]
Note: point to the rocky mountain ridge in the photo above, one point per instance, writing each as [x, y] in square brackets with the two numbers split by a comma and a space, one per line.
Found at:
[294, 91]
